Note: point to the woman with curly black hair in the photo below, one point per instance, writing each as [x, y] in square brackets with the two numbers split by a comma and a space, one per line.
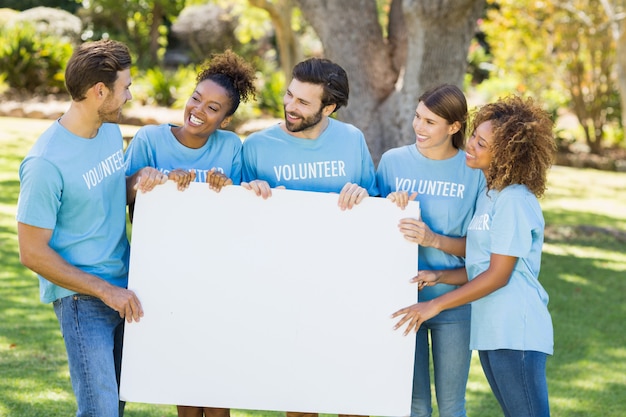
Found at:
[511, 328]
[200, 149]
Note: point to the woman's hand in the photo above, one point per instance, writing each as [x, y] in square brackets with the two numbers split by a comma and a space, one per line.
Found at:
[413, 316]
[217, 180]
[426, 279]
[416, 231]
[401, 198]
[182, 178]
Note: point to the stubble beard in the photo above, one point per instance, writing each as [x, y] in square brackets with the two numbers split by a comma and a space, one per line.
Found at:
[303, 124]
[107, 114]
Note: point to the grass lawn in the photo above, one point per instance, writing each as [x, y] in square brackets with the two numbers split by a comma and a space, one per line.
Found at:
[583, 270]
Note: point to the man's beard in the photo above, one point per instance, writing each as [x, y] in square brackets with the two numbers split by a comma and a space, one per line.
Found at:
[108, 114]
[304, 123]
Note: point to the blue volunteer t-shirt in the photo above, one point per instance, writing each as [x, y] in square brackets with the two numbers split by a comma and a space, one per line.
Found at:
[447, 191]
[77, 188]
[156, 146]
[509, 222]
[338, 156]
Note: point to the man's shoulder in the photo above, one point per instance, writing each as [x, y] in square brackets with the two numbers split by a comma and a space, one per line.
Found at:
[345, 127]
[152, 131]
[273, 131]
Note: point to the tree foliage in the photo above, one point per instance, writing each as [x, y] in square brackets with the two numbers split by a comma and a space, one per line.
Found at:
[565, 46]
[143, 24]
[32, 60]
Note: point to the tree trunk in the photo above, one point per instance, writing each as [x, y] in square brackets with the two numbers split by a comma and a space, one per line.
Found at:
[289, 52]
[384, 86]
[618, 29]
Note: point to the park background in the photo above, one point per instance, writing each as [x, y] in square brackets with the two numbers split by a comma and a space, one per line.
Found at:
[566, 54]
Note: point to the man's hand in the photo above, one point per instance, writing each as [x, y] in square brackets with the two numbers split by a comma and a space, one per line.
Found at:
[351, 195]
[148, 178]
[259, 187]
[125, 302]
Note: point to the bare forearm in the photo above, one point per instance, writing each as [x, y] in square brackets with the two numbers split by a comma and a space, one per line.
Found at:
[452, 276]
[479, 287]
[452, 245]
[55, 269]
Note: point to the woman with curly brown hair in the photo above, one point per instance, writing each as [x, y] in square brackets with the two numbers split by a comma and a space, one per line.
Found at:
[511, 328]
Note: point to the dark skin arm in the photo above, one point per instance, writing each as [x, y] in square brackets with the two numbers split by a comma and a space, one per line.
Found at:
[494, 278]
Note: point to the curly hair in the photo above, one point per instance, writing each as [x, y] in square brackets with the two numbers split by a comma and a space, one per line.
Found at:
[523, 147]
[234, 74]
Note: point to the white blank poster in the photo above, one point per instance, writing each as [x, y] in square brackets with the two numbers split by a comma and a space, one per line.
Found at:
[281, 304]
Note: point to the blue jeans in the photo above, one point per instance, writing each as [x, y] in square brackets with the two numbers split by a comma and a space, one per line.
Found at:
[449, 336]
[518, 380]
[93, 334]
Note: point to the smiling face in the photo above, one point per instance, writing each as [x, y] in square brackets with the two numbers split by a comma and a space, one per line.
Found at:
[478, 148]
[110, 111]
[433, 133]
[205, 111]
[303, 108]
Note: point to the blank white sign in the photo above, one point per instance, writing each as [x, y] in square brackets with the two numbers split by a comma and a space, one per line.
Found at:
[281, 304]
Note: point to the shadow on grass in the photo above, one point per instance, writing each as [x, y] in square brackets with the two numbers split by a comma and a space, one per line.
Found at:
[570, 226]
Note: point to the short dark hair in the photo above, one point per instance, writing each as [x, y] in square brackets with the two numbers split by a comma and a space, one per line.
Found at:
[448, 102]
[94, 62]
[330, 76]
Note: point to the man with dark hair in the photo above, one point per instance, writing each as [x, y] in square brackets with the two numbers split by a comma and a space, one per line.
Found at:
[311, 151]
[71, 218]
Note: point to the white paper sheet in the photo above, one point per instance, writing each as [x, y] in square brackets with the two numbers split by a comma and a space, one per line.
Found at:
[280, 304]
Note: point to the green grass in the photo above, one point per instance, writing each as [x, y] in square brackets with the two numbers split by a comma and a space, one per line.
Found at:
[584, 271]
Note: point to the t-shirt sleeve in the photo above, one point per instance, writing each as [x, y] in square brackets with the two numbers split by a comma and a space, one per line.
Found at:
[138, 153]
[248, 163]
[382, 183]
[368, 181]
[41, 188]
[236, 167]
[511, 226]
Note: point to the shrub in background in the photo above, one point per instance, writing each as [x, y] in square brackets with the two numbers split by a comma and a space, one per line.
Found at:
[34, 46]
[271, 92]
[51, 21]
[33, 61]
[164, 87]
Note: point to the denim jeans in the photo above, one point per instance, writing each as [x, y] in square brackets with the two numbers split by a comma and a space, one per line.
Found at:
[93, 334]
[449, 341]
[518, 380]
